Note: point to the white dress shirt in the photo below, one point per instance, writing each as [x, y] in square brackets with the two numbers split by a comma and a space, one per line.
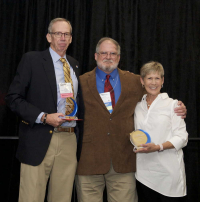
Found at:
[164, 171]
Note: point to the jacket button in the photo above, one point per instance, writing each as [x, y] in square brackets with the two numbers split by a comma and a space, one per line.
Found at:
[110, 119]
[50, 131]
[108, 133]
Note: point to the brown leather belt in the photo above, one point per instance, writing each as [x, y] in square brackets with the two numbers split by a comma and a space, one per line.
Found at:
[60, 129]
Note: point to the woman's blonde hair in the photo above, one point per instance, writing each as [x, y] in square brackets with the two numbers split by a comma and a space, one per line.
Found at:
[151, 66]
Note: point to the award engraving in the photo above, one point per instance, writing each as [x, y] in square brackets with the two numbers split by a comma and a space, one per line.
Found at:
[139, 137]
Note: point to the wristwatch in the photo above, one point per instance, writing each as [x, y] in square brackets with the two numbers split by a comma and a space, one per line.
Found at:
[45, 118]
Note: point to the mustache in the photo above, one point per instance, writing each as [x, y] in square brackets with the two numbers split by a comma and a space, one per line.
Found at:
[108, 60]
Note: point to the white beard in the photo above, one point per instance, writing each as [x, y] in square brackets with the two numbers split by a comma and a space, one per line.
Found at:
[107, 68]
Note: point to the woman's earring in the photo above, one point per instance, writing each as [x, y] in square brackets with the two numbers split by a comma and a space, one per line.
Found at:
[162, 86]
[142, 86]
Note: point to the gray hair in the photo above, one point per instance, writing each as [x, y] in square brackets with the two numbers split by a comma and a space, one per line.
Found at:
[152, 66]
[108, 39]
[59, 20]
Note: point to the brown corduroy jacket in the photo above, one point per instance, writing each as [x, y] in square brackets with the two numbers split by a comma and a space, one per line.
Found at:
[106, 136]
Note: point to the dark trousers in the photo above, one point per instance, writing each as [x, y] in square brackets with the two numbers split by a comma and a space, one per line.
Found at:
[146, 194]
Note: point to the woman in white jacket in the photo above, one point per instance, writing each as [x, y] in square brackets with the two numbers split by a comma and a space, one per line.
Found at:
[160, 166]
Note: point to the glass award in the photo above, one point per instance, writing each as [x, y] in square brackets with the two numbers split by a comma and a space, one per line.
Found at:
[64, 108]
[139, 137]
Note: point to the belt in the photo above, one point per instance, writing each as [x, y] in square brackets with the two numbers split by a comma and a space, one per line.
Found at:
[60, 129]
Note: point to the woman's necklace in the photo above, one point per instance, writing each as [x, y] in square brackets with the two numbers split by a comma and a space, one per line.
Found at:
[150, 100]
[148, 104]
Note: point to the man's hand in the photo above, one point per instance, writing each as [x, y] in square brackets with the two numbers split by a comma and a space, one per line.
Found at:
[54, 119]
[181, 110]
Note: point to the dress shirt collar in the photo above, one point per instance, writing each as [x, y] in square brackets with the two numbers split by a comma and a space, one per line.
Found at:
[102, 75]
[55, 56]
[161, 95]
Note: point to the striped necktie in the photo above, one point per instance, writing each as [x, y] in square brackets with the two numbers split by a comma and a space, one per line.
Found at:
[68, 79]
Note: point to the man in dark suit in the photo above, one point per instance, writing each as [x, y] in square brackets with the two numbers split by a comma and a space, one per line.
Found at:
[107, 159]
[47, 142]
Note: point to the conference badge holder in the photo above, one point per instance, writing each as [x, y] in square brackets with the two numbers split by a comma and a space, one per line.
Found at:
[106, 98]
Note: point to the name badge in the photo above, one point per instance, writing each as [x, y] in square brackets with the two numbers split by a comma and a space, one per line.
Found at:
[106, 98]
[65, 90]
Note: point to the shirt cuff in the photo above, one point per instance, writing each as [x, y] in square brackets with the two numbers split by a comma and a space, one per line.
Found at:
[38, 120]
[178, 142]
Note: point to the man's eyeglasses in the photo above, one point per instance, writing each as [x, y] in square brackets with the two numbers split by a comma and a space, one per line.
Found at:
[105, 54]
[59, 34]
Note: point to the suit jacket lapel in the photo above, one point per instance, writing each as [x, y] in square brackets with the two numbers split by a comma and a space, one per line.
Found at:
[124, 90]
[73, 65]
[50, 72]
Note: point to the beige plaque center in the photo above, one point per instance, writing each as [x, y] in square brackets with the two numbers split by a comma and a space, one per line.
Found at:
[138, 137]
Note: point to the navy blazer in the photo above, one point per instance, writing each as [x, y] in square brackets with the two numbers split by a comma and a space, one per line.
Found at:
[33, 91]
